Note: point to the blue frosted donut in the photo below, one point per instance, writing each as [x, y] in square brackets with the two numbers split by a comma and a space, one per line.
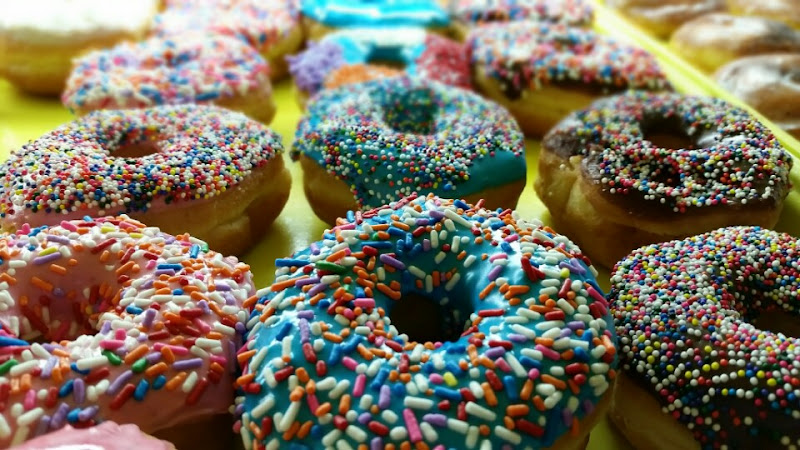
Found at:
[523, 354]
[348, 13]
[371, 143]
[427, 55]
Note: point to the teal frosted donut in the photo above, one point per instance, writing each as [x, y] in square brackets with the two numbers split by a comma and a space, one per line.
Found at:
[368, 144]
[372, 13]
[513, 343]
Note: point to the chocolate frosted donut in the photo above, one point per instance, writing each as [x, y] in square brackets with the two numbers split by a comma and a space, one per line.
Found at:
[713, 40]
[770, 84]
[707, 328]
[641, 168]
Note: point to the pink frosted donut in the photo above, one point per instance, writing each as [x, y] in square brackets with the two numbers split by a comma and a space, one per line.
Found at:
[108, 319]
[272, 27]
[106, 436]
[186, 68]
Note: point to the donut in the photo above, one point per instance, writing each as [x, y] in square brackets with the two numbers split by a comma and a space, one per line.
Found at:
[708, 341]
[470, 13]
[272, 27]
[419, 52]
[147, 335]
[770, 84]
[662, 17]
[786, 11]
[365, 145]
[320, 17]
[640, 168]
[406, 328]
[39, 38]
[187, 168]
[358, 73]
[189, 68]
[711, 41]
[106, 436]
[541, 72]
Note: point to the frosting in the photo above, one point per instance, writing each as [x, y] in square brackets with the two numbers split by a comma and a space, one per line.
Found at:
[106, 436]
[199, 153]
[684, 311]
[190, 68]
[389, 138]
[531, 347]
[358, 73]
[420, 53]
[62, 22]
[528, 56]
[571, 12]
[262, 24]
[347, 13]
[134, 325]
[732, 158]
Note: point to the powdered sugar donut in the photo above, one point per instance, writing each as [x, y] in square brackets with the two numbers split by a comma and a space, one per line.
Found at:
[39, 38]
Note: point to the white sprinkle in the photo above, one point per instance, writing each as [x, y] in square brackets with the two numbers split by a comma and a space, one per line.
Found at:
[418, 403]
[480, 412]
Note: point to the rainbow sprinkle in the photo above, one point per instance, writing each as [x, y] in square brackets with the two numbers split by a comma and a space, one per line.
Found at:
[532, 350]
[202, 151]
[261, 24]
[569, 12]
[389, 138]
[107, 318]
[737, 160]
[684, 311]
[189, 68]
[529, 55]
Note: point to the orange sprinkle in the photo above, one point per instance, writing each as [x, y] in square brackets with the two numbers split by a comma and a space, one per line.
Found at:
[55, 268]
[485, 291]
[176, 381]
[323, 409]
[135, 354]
[332, 337]
[488, 392]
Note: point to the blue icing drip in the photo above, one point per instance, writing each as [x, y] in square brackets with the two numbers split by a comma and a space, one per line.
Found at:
[406, 377]
[348, 13]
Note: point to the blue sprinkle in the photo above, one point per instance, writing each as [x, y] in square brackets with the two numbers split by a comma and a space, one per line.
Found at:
[74, 415]
[284, 331]
[531, 363]
[377, 244]
[461, 204]
[511, 387]
[141, 390]
[159, 382]
[194, 251]
[74, 368]
[169, 266]
[449, 394]
[456, 348]
[134, 310]
[382, 375]
[289, 262]
[65, 389]
[453, 367]
[6, 341]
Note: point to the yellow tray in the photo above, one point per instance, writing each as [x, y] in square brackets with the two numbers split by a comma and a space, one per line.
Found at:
[23, 118]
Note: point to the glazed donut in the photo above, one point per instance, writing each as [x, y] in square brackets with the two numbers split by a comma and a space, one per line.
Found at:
[188, 168]
[662, 17]
[768, 83]
[542, 72]
[711, 41]
[136, 326]
[365, 145]
[429, 323]
[470, 13]
[39, 38]
[106, 436]
[272, 27]
[320, 17]
[189, 68]
[419, 52]
[641, 168]
[786, 11]
[706, 328]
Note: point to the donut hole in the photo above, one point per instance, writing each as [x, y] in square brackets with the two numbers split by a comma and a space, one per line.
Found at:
[668, 133]
[424, 319]
[137, 149]
[778, 321]
[413, 112]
